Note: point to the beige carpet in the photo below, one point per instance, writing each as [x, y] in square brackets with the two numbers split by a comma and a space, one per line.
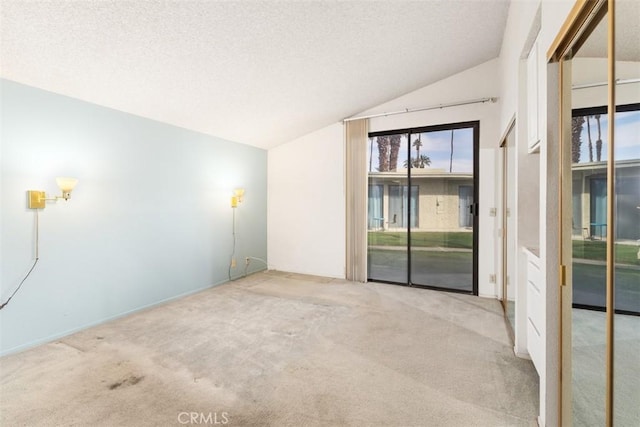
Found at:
[278, 349]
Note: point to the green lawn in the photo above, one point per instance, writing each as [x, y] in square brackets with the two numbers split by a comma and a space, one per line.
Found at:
[582, 249]
[596, 250]
[428, 239]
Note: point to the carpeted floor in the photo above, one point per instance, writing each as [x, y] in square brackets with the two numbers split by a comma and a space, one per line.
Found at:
[277, 349]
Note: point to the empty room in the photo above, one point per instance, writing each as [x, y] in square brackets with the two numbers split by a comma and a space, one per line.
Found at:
[320, 213]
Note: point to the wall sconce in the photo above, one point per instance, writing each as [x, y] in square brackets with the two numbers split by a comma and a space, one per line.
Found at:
[38, 198]
[238, 193]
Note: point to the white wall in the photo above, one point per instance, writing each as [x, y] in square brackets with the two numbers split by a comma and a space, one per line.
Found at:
[150, 219]
[306, 206]
[477, 82]
[306, 230]
[516, 43]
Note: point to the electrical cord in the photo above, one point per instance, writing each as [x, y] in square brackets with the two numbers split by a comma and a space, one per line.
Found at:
[233, 252]
[249, 258]
[20, 285]
[32, 267]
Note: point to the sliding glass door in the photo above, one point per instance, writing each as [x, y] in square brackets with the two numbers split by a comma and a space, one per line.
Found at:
[422, 207]
[388, 209]
[599, 212]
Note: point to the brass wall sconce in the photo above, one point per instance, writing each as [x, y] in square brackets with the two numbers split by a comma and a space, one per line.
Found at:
[238, 194]
[38, 199]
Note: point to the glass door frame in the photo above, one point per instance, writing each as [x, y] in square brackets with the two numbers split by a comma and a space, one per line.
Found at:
[506, 231]
[582, 20]
[475, 125]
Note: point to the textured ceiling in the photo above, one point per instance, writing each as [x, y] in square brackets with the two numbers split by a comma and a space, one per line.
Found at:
[255, 72]
[627, 34]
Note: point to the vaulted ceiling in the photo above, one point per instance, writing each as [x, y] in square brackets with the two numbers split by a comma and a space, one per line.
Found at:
[256, 72]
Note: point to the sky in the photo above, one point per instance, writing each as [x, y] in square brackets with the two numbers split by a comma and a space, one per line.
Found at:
[436, 145]
[627, 137]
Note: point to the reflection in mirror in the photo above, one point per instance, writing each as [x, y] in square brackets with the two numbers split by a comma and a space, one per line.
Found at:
[626, 408]
[588, 151]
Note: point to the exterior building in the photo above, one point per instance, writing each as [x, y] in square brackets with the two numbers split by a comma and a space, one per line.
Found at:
[590, 200]
[439, 201]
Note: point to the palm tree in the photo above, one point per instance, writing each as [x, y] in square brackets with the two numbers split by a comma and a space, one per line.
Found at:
[420, 162]
[395, 149]
[599, 140]
[370, 154]
[451, 157]
[590, 143]
[383, 153]
[417, 143]
[576, 141]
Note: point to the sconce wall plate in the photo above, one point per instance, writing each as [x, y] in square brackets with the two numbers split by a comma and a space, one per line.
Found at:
[238, 193]
[36, 199]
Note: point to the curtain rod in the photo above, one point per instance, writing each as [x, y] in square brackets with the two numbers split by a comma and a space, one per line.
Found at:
[618, 82]
[434, 107]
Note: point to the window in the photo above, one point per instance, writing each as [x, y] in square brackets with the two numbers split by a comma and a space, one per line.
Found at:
[398, 206]
[375, 217]
[465, 201]
[598, 206]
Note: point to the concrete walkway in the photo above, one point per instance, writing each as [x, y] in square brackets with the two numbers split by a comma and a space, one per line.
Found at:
[421, 249]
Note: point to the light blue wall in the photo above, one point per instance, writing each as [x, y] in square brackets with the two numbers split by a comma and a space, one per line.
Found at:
[150, 219]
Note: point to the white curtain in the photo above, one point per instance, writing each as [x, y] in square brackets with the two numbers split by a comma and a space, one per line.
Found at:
[357, 135]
